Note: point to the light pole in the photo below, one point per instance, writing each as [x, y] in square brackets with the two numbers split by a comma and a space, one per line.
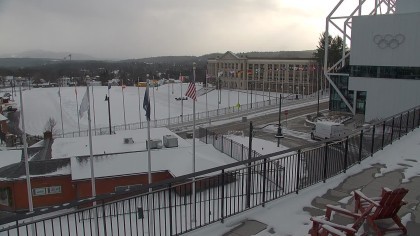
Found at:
[279, 134]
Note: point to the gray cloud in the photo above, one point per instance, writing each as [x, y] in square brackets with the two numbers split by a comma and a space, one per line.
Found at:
[141, 28]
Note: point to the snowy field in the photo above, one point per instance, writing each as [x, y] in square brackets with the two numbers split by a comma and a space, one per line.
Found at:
[40, 104]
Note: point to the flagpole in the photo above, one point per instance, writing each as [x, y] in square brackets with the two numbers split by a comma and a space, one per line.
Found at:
[207, 109]
[94, 116]
[122, 88]
[182, 99]
[92, 171]
[138, 93]
[193, 154]
[154, 103]
[61, 111]
[25, 153]
[109, 108]
[146, 106]
[169, 105]
[77, 109]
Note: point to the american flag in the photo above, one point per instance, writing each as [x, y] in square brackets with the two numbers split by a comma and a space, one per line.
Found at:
[191, 91]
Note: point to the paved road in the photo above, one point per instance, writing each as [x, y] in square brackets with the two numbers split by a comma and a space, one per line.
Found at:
[260, 121]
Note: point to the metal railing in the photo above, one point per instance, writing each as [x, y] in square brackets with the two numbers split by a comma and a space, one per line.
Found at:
[170, 208]
[201, 117]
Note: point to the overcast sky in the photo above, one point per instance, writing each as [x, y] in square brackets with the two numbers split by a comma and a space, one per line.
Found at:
[142, 28]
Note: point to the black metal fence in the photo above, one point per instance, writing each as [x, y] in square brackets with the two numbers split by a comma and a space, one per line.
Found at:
[172, 207]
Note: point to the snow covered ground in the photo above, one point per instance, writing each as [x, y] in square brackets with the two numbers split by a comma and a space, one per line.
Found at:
[40, 104]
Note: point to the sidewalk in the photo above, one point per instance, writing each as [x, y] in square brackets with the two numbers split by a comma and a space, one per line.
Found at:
[398, 165]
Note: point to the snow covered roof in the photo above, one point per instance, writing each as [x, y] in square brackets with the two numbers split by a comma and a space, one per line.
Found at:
[2, 117]
[109, 144]
[177, 161]
[10, 157]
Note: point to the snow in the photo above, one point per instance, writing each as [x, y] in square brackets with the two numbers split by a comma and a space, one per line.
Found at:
[259, 145]
[286, 215]
[2, 117]
[178, 161]
[40, 104]
[108, 144]
[10, 157]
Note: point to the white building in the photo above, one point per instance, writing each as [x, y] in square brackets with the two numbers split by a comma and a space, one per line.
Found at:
[384, 62]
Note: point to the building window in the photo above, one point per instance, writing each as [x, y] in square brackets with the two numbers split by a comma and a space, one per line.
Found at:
[6, 196]
[46, 191]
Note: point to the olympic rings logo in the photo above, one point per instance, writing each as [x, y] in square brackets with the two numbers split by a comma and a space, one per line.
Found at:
[388, 40]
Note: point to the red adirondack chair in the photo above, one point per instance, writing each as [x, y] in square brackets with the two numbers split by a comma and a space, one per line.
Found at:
[386, 207]
[322, 226]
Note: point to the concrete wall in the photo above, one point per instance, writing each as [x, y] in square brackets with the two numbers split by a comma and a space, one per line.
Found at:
[386, 97]
[386, 40]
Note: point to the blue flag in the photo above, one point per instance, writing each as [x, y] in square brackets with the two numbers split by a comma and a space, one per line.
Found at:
[146, 103]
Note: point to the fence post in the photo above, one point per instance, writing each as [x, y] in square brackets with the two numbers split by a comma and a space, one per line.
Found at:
[297, 173]
[170, 208]
[414, 119]
[222, 199]
[360, 146]
[325, 162]
[383, 135]
[418, 121]
[406, 125]
[103, 216]
[346, 154]
[392, 129]
[248, 185]
[206, 137]
[222, 144]
[399, 131]
[242, 152]
[373, 141]
[231, 148]
[264, 181]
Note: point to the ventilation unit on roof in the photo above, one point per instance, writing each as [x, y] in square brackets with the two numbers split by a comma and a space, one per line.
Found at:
[128, 141]
[170, 141]
[154, 144]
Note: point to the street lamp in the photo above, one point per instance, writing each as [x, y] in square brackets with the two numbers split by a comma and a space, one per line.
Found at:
[279, 134]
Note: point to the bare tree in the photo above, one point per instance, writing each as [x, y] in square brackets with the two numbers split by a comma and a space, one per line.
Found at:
[50, 126]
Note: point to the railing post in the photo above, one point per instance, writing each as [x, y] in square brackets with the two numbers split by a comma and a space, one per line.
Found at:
[248, 185]
[360, 146]
[264, 182]
[346, 151]
[231, 148]
[222, 144]
[383, 135]
[392, 129]
[170, 209]
[103, 216]
[325, 162]
[373, 140]
[414, 119]
[418, 121]
[406, 125]
[399, 131]
[297, 172]
[206, 137]
[242, 152]
[222, 199]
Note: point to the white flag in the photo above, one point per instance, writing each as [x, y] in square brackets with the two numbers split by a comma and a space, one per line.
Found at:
[84, 106]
